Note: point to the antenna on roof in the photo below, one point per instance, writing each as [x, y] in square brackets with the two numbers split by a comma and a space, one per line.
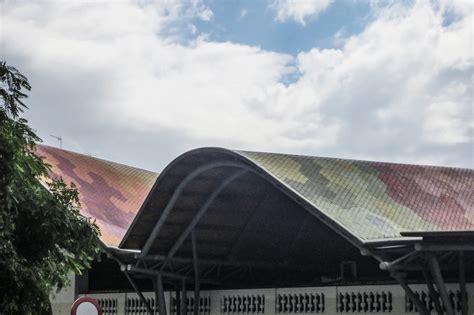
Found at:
[60, 139]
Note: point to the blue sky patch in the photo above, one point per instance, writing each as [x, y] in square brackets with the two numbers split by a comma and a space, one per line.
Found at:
[253, 23]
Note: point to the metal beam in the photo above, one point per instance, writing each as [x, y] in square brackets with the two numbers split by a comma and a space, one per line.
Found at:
[220, 262]
[380, 257]
[139, 293]
[169, 206]
[374, 244]
[443, 247]
[121, 251]
[200, 213]
[462, 283]
[196, 275]
[411, 295]
[149, 272]
[390, 265]
[392, 248]
[170, 275]
[438, 278]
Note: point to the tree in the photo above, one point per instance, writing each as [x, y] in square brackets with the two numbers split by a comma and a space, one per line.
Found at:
[43, 237]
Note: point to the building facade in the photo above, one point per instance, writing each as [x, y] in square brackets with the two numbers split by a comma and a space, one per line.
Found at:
[249, 232]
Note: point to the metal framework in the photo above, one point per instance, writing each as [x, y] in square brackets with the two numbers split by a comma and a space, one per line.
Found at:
[428, 262]
[414, 254]
[424, 257]
[143, 256]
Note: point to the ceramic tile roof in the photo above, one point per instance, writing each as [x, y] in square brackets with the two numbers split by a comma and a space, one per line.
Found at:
[109, 192]
[370, 200]
[374, 200]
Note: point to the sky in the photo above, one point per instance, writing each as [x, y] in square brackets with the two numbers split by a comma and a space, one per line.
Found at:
[141, 81]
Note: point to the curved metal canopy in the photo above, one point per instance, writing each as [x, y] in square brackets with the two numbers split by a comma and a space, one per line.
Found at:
[311, 214]
[363, 201]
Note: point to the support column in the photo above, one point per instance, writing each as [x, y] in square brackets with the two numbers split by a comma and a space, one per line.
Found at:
[157, 295]
[184, 298]
[434, 295]
[139, 293]
[462, 283]
[413, 297]
[438, 278]
[161, 295]
[196, 275]
[177, 292]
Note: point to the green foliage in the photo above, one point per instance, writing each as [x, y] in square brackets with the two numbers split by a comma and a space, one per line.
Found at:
[43, 237]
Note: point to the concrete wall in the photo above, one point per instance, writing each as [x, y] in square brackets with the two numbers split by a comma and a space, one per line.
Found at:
[383, 299]
[61, 301]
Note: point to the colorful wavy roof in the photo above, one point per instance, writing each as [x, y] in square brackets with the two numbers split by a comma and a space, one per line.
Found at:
[365, 201]
[374, 200]
[109, 192]
[370, 200]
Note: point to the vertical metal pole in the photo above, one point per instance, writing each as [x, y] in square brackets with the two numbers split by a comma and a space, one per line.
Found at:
[157, 295]
[196, 274]
[139, 293]
[161, 295]
[184, 302]
[438, 278]
[177, 303]
[433, 293]
[413, 297]
[462, 283]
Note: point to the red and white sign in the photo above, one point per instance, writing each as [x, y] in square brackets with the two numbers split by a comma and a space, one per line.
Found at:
[86, 306]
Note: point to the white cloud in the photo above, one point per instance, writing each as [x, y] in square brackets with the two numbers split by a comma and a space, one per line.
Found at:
[205, 91]
[401, 87]
[400, 91]
[206, 15]
[444, 123]
[298, 10]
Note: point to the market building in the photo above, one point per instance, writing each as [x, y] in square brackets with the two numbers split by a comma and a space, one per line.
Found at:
[263, 233]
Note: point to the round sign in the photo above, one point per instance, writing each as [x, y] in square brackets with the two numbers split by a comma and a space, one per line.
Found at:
[86, 306]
